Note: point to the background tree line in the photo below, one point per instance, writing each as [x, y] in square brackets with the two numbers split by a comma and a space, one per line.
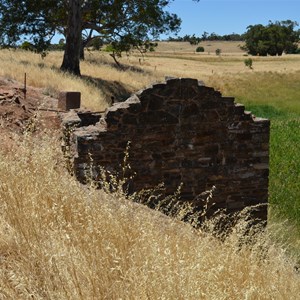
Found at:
[258, 38]
[194, 40]
[275, 38]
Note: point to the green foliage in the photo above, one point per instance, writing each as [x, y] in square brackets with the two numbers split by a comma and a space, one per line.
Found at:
[36, 21]
[140, 20]
[284, 178]
[248, 63]
[31, 47]
[126, 44]
[95, 43]
[58, 47]
[108, 48]
[27, 46]
[273, 39]
[200, 49]
[194, 40]
[218, 51]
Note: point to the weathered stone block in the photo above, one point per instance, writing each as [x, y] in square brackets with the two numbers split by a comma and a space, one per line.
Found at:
[68, 100]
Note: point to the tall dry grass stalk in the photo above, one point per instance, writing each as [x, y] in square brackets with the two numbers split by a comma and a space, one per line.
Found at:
[62, 240]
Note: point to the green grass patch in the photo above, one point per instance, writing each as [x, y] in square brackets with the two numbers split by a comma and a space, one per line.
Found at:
[267, 111]
[276, 96]
[284, 184]
[279, 90]
[285, 168]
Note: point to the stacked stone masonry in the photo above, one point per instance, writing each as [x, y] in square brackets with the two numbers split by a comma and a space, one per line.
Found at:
[180, 132]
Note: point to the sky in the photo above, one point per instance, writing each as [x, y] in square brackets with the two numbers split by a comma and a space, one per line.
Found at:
[231, 16]
[228, 16]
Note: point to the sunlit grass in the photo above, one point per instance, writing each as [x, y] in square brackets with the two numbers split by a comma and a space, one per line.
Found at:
[281, 90]
[209, 47]
[61, 240]
[44, 73]
[285, 168]
[277, 97]
[100, 81]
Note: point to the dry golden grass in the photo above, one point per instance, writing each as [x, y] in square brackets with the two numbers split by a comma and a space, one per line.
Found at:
[99, 82]
[206, 67]
[229, 47]
[101, 79]
[60, 240]
[278, 89]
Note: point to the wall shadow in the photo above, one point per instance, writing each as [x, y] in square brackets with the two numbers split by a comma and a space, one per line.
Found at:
[113, 91]
[121, 67]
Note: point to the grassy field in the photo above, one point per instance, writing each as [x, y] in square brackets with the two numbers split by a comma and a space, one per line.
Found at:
[230, 48]
[59, 240]
[275, 96]
[100, 80]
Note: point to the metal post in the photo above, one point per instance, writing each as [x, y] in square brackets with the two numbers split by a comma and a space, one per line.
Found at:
[24, 89]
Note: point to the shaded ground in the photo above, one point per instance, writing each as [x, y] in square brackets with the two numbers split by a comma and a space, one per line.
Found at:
[113, 90]
[21, 111]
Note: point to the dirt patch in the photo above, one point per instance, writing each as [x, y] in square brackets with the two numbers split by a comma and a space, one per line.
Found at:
[21, 111]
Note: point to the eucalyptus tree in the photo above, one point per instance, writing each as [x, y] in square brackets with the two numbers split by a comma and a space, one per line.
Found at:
[273, 39]
[37, 21]
[124, 24]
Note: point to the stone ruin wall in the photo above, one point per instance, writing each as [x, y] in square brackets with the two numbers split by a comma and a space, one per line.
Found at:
[180, 132]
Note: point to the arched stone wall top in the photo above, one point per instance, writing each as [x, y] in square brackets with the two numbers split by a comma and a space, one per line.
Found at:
[176, 101]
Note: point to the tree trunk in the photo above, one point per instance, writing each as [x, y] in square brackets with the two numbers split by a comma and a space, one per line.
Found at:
[82, 52]
[73, 39]
[113, 55]
[84, 43]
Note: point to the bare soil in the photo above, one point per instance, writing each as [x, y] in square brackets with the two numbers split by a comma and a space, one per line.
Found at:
[22, 110]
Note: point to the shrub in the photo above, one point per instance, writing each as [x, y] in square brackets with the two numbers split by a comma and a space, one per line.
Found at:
[218, 51]
[248, 63]
[96, 44]
[27, 46]
[200, 49]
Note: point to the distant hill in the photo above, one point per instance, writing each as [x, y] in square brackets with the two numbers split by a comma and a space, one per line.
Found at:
[209, 47]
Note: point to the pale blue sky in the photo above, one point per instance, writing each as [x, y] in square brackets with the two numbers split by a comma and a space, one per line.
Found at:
[228, 16]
